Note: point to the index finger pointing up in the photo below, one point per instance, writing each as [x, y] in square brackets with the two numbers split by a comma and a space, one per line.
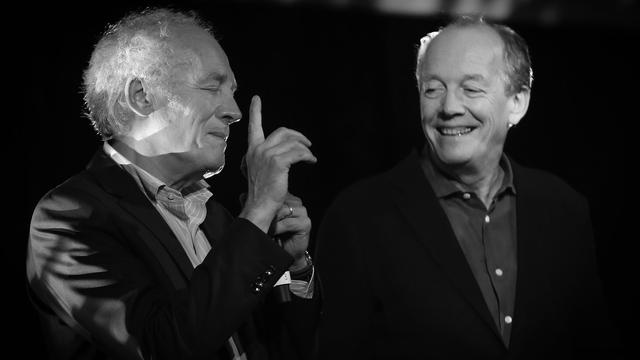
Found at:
[256, 135]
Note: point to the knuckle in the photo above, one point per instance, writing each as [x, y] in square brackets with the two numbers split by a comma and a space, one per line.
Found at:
[279, 160]
[286, 225]
[303, 147]
[281, 130]
[268, 153]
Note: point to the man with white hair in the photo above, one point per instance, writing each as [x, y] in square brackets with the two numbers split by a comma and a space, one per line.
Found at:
[132, 258]
[458, 252]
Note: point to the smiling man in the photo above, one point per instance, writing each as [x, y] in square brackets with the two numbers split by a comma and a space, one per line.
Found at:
[459, 252]
[133, 258]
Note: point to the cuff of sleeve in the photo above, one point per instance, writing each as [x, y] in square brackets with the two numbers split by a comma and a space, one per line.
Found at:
[305, 272]
[303, 288]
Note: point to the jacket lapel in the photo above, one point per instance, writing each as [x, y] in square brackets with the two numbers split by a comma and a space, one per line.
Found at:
[532, 225]
[215, 223]
[165, 246]
[417, 202]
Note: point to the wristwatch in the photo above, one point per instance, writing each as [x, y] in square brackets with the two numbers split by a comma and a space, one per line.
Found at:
[305, 272]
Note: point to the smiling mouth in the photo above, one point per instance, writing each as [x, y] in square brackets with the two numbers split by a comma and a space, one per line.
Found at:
[220, 135]
[455, 131]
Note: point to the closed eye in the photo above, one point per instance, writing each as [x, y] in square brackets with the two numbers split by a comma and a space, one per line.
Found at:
[473, 91]
[433, 92]
[211, 89]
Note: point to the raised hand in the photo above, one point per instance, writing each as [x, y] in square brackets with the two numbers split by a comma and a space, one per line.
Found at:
[268, 163]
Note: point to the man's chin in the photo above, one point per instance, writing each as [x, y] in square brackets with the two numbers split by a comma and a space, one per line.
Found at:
[209, 173]
[214, 168]
[453, 158]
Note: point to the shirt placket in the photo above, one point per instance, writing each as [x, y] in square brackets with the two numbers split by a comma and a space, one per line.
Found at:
[195, 205]
[495, 269]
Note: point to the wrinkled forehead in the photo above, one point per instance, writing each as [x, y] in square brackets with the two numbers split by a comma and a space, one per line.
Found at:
[475, 48]
[206, 53]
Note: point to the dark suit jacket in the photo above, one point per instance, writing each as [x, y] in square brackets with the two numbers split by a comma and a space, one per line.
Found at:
[112, 281]
[397, 285]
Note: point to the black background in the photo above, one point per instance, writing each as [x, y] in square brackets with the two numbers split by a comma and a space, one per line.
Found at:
[343, 77]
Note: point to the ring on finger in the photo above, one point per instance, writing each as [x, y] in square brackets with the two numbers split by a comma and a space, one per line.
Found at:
[290, 211]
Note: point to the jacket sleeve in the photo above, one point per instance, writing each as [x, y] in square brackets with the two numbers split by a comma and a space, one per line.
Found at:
[594, 335]
[81, 265]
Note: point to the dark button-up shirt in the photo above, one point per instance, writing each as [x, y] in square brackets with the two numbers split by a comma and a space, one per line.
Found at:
[487, 238]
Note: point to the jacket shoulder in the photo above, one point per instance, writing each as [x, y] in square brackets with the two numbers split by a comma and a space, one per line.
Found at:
[364, 193]
[550, 187]
[77, 197]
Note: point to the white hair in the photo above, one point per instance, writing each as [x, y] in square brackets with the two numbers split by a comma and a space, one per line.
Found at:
[422, 49]
[138, 46]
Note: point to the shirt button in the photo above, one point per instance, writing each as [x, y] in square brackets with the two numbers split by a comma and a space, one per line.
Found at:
[466, 196]
[487, 219]
[499, 272]
[170, 196]
[508, 319]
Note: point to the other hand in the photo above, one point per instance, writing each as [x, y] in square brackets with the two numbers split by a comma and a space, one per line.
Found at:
[293, 226]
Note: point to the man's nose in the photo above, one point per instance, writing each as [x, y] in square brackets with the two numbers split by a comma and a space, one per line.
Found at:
[452, 105]
[229, 112]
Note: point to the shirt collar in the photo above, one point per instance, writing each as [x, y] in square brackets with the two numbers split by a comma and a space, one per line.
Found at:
[150, 184]
[443, 186]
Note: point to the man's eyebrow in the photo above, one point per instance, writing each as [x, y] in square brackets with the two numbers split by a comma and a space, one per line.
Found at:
[429, 77]
[217, 77]
[474, 77]
[212, 77]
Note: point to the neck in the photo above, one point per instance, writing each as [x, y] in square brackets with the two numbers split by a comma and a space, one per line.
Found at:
[482, 179]
[168, 168]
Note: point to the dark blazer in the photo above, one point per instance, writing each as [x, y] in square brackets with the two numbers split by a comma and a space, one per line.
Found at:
[111, 280]
[396, 284]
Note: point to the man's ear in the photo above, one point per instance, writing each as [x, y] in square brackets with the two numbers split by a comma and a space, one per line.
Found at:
[519, 105]
[137, 97]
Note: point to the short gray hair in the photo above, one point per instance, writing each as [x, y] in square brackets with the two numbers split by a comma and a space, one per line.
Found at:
[139, 46]
[519, 73]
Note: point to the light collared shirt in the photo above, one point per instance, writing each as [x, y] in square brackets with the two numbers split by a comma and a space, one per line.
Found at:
[184, 211]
